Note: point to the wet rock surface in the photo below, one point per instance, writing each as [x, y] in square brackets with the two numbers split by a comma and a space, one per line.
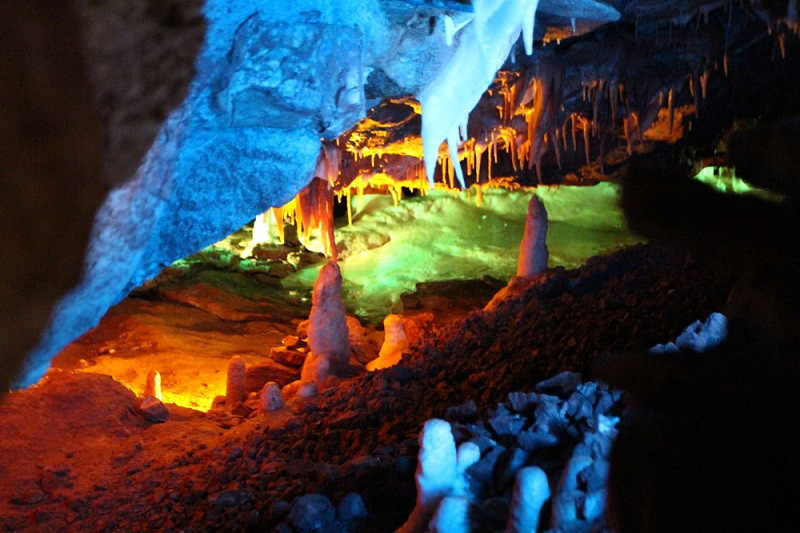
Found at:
[361, 437]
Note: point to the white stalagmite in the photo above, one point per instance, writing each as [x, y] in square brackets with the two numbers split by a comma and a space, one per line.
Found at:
[533, 253]
[270, 398]
[236, 388]
[568, 497]
[468, 454]
[436, 473]
[153, 385]
[531, 491]
[482, 49]
[452, 516]
[328, 336]
[395, 344]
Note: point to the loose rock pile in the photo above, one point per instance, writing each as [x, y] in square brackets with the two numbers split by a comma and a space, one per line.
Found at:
[494, 472]
[362, 436]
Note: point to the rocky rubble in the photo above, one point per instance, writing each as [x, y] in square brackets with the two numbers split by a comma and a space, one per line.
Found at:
[361, 437]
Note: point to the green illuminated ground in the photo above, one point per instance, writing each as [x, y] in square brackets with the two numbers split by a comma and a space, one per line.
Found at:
[440, 237]
[725, 180]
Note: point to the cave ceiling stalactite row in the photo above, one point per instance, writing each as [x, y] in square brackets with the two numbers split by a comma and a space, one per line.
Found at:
[606, 88]
[269, 83]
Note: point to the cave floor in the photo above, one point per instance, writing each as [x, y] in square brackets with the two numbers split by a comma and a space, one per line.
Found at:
[75, 454]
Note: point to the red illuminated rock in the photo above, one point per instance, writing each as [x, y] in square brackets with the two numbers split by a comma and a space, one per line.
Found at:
[270, 397]
[265, 371]
[154, 410]
[153, 385]
[236, 388]
[328, 335]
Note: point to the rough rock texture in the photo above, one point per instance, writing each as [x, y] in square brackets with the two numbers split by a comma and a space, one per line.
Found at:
[269, 82]
[362, 436]
[533, 254]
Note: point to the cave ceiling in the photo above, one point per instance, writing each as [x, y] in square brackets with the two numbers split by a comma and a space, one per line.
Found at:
[586, 78]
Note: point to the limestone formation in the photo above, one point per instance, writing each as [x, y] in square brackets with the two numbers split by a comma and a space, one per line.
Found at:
[395, 344]
[452, 516]
[328, 336]
[436, 473]
[153, 385]
[270, 398]
[531, 491]
[533, 253]
[236, 387]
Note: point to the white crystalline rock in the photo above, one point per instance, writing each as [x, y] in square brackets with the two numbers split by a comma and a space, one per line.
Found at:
[533, 253]
[481, 51]
[452, 516]
[395, 344]
[531, 491]
[593, 505]
[328, 336]
[669, 347]
[437, 471]
[567, 497]
[468, 454]
[453, 24]
[704, 336]
[265, 231]
[607, 425]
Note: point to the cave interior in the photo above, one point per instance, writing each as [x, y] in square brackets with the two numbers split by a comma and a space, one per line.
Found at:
[400, 265]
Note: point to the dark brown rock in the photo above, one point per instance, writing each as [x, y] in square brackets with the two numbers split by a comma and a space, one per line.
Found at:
[261, 373]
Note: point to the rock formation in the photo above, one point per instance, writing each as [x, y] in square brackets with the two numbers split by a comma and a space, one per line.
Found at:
[533, 254]
[153, 385]
[328, 336]
[236, 384]
[395, 344]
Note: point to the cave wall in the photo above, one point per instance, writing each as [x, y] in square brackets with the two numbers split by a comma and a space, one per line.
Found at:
[268, 83]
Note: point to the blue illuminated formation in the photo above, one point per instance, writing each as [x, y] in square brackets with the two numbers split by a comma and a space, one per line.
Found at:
[272, 78]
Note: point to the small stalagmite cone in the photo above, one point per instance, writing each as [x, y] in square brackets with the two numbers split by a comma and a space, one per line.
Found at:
[270, 398]
[153, 385]
[531, 491]
[236, 389]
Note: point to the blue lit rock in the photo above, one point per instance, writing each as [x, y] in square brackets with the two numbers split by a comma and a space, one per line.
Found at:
[268, 84]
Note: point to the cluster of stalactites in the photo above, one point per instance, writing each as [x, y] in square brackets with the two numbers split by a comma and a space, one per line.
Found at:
[312, 208]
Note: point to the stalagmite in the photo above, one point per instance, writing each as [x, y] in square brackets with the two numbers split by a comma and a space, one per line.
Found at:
[531, 491]
[153, 385]
[270, 398]
[328, 336]
[533, 253]
[568, 496]
[452, 516]
[236, 388]
[436, 473]
[394, 346]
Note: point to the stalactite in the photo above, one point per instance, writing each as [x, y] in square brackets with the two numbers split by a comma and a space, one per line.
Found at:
[671, 109]
[704, 84]
[574, 132]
